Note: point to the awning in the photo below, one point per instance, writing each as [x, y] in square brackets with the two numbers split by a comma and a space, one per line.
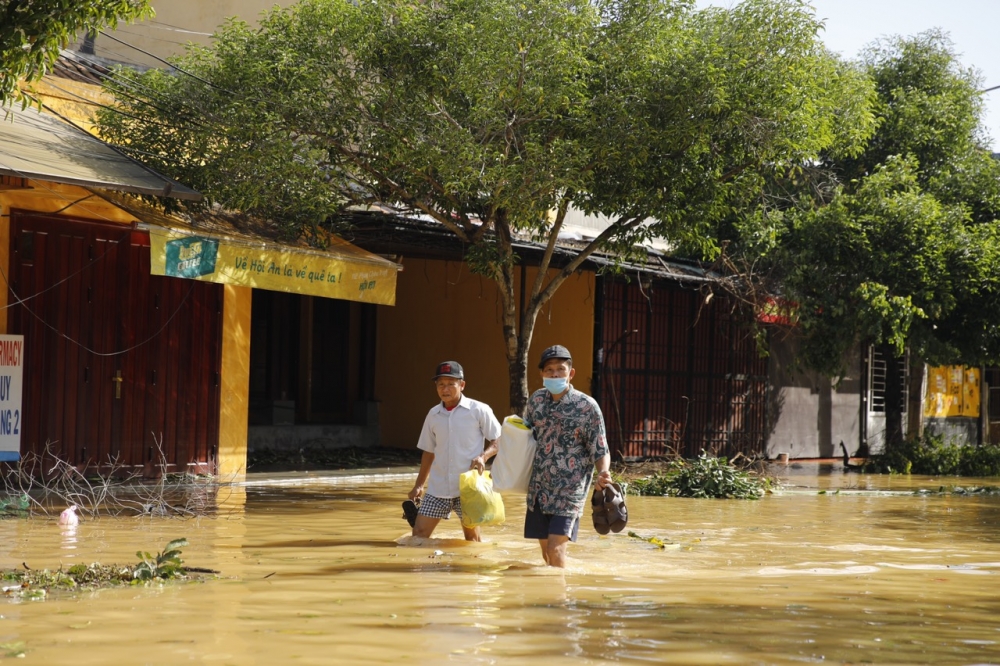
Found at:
[41, 146]
[211, 249]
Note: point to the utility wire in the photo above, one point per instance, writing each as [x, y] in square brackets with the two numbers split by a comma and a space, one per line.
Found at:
[166, 26]
[169, 64]
[23, 301]
[90, 102]
[85, 347]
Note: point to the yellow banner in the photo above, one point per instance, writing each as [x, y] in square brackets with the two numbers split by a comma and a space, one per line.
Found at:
[970, 392]
[952, 390]
[344, 271]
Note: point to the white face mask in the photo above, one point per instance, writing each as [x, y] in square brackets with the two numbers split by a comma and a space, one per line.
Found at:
[556, 385]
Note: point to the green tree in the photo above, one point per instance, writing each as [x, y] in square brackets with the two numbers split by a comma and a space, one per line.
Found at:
[904, 252]
[33, 31]
[493, 117]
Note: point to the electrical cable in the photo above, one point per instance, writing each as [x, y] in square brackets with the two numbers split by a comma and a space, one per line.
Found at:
[166, 26]
[142, 36]
[85, 347]
[89, 102]
[169, 64]
[23, 301]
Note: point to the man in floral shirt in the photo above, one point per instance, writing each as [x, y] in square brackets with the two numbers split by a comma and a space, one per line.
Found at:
[569, 430]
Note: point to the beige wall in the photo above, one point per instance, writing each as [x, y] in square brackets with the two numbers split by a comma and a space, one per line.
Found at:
[444, 312]
[176, 23]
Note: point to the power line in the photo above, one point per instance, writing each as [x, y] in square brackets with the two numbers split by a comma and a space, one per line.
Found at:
[169, 64]
[166, 26]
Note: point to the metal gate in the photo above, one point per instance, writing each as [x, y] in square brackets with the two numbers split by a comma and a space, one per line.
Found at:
[675, 374]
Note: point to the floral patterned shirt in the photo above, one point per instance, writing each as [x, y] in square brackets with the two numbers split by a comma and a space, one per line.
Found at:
[570, 438]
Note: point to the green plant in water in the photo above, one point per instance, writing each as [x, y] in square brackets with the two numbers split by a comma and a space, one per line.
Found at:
[14, 506]
[932, 455]
[167, 564]
[12, 650]
[35, 584]
[708, 476]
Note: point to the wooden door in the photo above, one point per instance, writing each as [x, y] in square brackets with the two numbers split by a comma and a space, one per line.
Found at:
[121, 367]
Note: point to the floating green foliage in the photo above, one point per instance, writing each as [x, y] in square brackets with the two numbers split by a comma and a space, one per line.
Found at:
[932, 455]
[12, 650]
[14, 506]
[960, 490]
[36, 584]
[708, 476]
[167, 564]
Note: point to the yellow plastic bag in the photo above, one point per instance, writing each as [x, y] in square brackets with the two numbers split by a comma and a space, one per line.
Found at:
[481, 505]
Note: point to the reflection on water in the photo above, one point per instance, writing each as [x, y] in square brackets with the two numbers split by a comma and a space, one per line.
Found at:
[326, 573]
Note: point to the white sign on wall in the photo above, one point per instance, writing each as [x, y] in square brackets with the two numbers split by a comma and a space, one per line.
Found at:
[11, 367]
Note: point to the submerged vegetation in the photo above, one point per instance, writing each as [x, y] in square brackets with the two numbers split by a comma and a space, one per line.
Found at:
[707, 476]
[933, 455]
[39, 482]
[37, 584]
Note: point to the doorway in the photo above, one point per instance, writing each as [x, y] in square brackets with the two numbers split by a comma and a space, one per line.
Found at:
[311, 360]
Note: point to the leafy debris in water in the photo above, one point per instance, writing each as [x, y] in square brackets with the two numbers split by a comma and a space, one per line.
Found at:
[37, 584]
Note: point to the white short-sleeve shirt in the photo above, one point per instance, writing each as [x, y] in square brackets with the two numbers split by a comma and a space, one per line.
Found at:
[455, 438]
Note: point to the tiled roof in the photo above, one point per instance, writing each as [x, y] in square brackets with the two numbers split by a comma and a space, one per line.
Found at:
[387, 234]
[71, 66]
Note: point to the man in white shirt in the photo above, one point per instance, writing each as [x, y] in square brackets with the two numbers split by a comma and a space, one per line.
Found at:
[452, 441]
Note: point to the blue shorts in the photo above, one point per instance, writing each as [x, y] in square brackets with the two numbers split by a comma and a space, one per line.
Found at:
[439, 507]
[538, 525]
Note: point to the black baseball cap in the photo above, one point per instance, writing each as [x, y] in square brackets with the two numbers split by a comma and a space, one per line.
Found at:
[449, 369]
[555, 351]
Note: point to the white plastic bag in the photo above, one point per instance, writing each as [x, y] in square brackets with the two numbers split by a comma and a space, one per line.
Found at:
[515, 454]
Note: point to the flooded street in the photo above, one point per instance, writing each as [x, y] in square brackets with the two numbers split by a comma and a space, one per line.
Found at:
[322, 572]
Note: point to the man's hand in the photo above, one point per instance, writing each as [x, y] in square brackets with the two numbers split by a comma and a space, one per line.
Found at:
[416, 492]
[478, 464]
[603, 479]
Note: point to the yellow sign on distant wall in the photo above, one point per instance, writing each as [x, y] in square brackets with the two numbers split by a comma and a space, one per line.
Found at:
[952, 390]
[346, 272]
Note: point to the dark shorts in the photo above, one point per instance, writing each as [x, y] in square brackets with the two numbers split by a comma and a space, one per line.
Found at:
[538, 525]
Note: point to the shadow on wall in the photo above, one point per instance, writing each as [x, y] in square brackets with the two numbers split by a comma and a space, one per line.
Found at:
[809, 414]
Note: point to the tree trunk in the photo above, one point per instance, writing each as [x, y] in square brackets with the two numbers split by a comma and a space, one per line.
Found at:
[517, 329]
[894, 378]
[520, 314]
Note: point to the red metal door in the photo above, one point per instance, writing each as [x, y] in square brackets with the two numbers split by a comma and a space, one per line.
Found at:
[121, 367]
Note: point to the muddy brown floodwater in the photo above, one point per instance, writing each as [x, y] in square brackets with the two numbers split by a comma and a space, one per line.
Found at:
[320, 571]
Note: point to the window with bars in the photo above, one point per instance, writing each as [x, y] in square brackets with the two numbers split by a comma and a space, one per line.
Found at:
[878, 366]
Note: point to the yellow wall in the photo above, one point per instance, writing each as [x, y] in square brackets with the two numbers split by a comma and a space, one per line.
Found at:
[73, 100]
[234, 402]
[444, 312]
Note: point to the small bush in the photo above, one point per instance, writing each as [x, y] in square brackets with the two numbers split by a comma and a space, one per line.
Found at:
[707, 476]
[933, 456]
